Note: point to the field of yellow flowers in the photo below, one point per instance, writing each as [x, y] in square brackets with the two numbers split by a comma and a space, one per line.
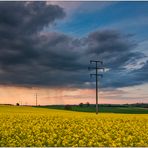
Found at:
[28, 126]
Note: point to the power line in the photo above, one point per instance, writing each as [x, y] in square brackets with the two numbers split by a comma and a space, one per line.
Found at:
[96, 68]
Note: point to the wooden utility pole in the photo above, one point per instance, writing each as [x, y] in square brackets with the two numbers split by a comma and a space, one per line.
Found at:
[96, 75]
[36, 96]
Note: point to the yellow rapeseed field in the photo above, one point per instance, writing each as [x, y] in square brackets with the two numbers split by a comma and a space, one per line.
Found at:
[27, 126]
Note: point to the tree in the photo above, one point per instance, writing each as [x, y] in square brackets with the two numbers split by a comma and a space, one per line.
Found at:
[87, 104]
[81, 104]
[17, 104]
[67, 107]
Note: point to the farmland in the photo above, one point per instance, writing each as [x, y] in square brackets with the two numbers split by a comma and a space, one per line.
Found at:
[28, 126]
[102, 108]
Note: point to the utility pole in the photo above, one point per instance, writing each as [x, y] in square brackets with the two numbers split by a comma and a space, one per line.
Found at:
[21, 102]
[36, 96]
[96, 75]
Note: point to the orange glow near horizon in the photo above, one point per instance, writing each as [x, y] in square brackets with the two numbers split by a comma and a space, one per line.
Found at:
[50, 96]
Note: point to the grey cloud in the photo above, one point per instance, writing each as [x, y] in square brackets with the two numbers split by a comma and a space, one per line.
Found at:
[108, 41]
[26, 18]
[31, 57]
[116, 50]
[19, 24]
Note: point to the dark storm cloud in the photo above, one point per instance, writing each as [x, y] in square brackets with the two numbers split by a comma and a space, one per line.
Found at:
[108, 40]
[117, 51]
[19, 24]
[30, 56]
[27, 17]
[112, 46]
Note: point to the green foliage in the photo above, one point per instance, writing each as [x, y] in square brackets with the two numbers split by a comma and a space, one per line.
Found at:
[102, 109]
[67, 107]
[81, 105]
[87, 104]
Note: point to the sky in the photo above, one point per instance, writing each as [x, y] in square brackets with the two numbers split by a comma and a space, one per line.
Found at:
[46, 48]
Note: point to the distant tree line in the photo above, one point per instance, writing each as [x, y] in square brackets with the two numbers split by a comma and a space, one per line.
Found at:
[87, 104]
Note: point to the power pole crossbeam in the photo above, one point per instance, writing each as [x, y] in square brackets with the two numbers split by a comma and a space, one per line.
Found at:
[99, 75]
[102, 68]
[96, 75]
[95, 61]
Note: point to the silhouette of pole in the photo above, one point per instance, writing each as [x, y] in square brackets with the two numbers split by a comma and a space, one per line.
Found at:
[96, 89]
[96, 75]
[36, 96]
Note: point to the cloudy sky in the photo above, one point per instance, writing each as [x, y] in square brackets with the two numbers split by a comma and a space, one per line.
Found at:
[45, 48]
